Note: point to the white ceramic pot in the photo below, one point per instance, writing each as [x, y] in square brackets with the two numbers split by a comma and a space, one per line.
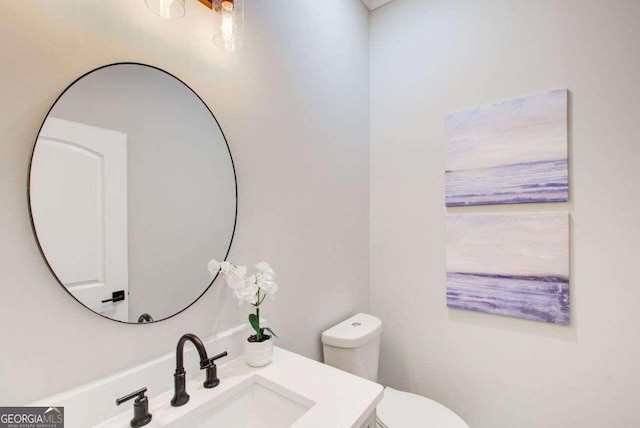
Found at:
[258, 354]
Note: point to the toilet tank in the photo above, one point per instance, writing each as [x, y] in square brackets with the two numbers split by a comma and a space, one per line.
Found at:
[354, 345]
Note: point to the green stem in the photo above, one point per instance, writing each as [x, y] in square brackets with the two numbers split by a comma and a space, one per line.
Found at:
[259, 332]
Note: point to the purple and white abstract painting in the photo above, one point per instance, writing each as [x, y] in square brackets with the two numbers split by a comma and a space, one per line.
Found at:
[510, 264]
[509, 153]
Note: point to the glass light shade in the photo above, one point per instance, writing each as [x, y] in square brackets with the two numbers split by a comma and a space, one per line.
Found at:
[167, 9]
[228, 24]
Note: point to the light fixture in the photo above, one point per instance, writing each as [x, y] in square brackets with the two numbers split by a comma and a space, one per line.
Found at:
[167, 9]
[228, 24]
[228, 19]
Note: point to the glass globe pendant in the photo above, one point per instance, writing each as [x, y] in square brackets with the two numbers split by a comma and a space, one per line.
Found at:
[228, 24]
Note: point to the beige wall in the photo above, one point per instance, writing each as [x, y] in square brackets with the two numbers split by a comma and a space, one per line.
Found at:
[432, 57]
[294, 107]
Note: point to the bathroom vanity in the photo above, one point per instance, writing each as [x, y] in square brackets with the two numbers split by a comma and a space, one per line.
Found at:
[292, 391]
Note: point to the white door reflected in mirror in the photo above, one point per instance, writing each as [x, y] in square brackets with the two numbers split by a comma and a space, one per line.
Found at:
[79, 193]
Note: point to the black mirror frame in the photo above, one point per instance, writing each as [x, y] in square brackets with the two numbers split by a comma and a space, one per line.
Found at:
[33, 227]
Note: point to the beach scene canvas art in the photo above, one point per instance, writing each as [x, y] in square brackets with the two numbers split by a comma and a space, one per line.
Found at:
[509, 153]
[510, 264]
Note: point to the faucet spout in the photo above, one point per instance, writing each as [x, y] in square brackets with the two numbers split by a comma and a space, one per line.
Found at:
[202, 351]
[180, 396]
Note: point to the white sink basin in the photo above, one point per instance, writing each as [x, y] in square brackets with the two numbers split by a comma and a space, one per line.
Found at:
[256, 403]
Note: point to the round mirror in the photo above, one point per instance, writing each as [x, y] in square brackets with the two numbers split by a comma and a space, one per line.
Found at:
[132, 190]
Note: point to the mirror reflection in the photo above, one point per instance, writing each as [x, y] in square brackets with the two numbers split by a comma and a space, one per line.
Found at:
[132, 191]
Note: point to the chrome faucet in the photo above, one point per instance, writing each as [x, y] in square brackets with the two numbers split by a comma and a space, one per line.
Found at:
[180, 396]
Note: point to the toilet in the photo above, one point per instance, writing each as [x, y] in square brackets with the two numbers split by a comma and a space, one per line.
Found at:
[354, 346]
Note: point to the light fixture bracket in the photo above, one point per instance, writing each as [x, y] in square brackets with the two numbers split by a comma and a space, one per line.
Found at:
[208, 3]
[226, 4]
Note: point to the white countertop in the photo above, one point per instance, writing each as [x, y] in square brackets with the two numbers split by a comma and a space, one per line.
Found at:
[338, 399]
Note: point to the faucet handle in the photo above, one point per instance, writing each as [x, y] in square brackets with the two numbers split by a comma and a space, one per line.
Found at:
[217, 357]
[212, 371]
[205, 364]
[141, 415]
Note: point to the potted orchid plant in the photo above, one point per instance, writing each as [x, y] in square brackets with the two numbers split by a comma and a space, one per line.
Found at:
[252, 289]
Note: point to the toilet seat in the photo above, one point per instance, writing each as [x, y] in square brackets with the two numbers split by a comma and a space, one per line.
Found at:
[400, 409]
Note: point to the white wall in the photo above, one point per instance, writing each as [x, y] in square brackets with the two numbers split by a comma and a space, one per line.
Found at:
[432, 57]
[294, 107]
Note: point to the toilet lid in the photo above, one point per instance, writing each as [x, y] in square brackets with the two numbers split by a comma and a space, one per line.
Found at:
[400, 409]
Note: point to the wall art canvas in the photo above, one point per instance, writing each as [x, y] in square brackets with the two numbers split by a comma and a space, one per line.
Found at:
[510, 264]
[509, 153]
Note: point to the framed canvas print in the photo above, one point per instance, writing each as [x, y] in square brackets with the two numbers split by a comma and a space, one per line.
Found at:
[510, 264]
[509, 153]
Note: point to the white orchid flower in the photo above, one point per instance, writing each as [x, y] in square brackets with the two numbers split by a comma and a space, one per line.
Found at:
[264, 267]
[246, 289]
[213, 267]
[270, 288]
[266, 276]
[252, 289]
[226, 267]
[235, 277]
[248, 293]
[266, 282]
